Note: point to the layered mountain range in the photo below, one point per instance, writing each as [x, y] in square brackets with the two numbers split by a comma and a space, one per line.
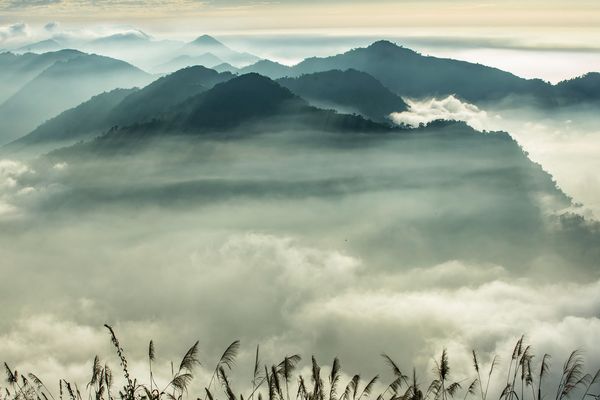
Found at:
[68, 95]
[314, 132]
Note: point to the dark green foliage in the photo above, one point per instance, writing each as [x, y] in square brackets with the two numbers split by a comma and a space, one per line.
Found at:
[250, 96]
[244, 105]
[345, 90]
[165, 93]
[579, 90]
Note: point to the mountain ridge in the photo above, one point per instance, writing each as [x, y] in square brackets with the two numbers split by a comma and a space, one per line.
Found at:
[63, 85]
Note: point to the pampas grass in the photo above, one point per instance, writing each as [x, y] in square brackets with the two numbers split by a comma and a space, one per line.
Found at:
[273, 383]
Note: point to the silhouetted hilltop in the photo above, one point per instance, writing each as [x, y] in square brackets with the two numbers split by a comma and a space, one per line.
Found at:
[245, 105]
[167, 92]
[347, 91]
[408, 73]
[228, 104]
[585, 88]
[411, 74]
[272, 69]
[253, 103]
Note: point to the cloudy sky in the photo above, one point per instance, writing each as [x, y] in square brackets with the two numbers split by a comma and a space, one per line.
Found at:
[238, 14]
[553, 40]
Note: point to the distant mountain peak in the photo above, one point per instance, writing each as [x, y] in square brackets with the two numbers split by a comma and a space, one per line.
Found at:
[64, 52]
[42, 46]
[225, 67]
[129, 36]
[228, 104]
[206, 40]
[253, 84]
[383, 44]
[387, 46]
[266, 61]
[191, 73]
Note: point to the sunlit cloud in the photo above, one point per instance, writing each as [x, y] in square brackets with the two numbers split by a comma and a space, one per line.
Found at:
[449, 108]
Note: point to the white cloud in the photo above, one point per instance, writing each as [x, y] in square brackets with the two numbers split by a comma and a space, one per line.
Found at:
[52, 26]
[60, 166]
[449, 108]
[10, 173]
[316, 301]
[488, 317]
[17, 30]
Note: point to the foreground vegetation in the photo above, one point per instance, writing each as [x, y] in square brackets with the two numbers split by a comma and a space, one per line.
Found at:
[526, 380]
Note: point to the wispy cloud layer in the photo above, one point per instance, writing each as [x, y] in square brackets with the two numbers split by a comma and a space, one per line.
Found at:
[11, 31]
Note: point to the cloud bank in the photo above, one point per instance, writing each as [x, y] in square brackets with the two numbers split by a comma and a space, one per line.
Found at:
[449, 108]
[300, 244]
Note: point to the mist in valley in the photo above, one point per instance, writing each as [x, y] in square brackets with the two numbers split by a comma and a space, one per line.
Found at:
[258, 239]
[563, 141]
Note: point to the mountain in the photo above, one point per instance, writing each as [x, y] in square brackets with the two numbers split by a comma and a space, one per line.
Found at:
[408, 73]
[226, 67]
[43, 46]
[124, 107]
[121, 39]
[255, 101]
[165, 93]
[245, 105]
[583, 89]
[272, 69]
[411, 74]
[134, 47]
[242, 99]
[85, 120]
[208, 44]
[207, 41]
[207, 60]
[63, 85]
[18, 69]
[347, 91]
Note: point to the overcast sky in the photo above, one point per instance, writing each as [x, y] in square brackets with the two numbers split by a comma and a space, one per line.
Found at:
[332, 14]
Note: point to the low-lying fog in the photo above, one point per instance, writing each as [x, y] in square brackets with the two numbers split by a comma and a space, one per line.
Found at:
[305, 243]
[565, 142]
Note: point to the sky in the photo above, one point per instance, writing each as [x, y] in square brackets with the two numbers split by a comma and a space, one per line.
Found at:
[553, 40]
[333, 14]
